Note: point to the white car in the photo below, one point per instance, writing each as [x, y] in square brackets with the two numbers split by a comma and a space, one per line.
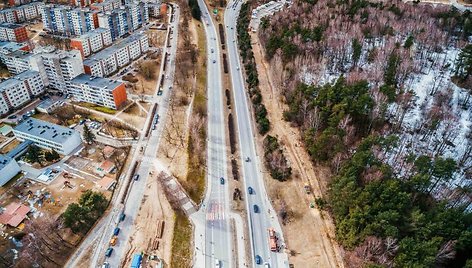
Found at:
[217, 263]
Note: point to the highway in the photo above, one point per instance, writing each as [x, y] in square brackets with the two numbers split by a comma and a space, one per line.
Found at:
[266, 217]
[100, 236]
[213, 236]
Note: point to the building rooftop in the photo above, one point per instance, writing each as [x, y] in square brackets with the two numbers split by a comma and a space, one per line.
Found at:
[89, 34]
[4, 160]
[26, 74]
[17, 79]
[107, 52]
[11, 46]
[98, 82]
[45, 130]
[14, 214]
[10, 25]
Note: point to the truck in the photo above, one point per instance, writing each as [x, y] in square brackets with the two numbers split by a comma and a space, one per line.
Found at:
[136, 262]
[272, 239]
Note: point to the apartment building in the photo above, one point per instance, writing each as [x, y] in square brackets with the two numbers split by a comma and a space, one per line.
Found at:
[124, 20]
[6, 48]
[61, 67]
[8, 168]
[138, 13]
[13, 32]
[69, 21]
[107, 5]
[21, 13]
[48, 136]
[92, 41]
[98, 90]
[20, 89]
[111, 59]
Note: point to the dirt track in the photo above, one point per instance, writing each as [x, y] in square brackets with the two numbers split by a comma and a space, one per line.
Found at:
[310, 232]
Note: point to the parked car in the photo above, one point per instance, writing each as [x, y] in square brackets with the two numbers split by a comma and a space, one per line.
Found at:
[256, 209]
[106, 265]
[122, 216]
[116, 231]
[136, 177]
[108, 252]
[250, 190]
[222, 180]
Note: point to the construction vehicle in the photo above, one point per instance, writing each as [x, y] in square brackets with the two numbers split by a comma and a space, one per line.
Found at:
[272, 239]
[113, 240]
[136, 262]
[307, 189]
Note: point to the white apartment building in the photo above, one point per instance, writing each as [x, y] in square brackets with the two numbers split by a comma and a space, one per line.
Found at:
[8, 168]
[61, 67]
[92, 41]
[64, 19]
[98, 90]
[20, 89]
[13, 32]
[28, 12]
[8, 15]
[111, 59]
[48, 136]
[138, 13]
[107, 5]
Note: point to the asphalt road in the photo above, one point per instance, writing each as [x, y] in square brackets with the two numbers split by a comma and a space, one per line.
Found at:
[213, 235]
[99, 238]
[260, 221]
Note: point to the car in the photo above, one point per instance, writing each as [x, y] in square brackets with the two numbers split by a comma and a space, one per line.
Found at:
[214, 61]
[153, 127]
[256, 209]
[113, 240]
[108, 252]
[250, 190]
[12, 116]
[212, 50]
[217, 263]
[222, 180]
[106, 265]
[258, 259]
[122, 216]
[170, 87]
[266, 265]
[116, 231]
[237, 68]
[136, 177]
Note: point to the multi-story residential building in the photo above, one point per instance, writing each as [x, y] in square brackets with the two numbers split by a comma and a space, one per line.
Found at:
[69, 21]
[18, 2]
[8, 168]
[107, 5]
[111, 59]
[138, 13]
[29, 11]
[20, 89]
[22, 13]
[61, 67]
[98, 90]
[13, 32]
[48, 136]
[6, 48]
[116, 21]
[92, 41]
[124, 20]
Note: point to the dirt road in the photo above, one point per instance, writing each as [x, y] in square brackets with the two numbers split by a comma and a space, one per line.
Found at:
[310, 232]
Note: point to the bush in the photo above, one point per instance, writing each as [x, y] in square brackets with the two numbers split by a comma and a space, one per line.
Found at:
[148, 69]
[275, 160]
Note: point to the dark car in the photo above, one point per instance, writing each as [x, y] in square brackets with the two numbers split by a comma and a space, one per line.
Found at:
[222, 180]
[136, 177]
[108, 252]
[122, 217]
[256, 209]
[12, 116]
[250, 190]
[116, 231]
[258, 259]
